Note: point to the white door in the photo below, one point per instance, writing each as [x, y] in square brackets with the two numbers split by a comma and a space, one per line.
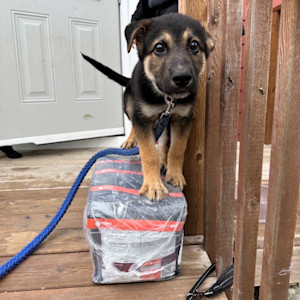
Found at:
[48, 93]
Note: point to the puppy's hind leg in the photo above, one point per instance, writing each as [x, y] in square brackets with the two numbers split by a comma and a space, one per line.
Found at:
[162, 147]
[131, 141]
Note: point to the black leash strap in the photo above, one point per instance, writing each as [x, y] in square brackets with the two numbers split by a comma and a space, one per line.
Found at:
[161, 125]
[164, 117]
[224, 282]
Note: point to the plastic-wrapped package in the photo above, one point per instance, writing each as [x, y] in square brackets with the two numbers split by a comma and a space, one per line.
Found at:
[131, 238]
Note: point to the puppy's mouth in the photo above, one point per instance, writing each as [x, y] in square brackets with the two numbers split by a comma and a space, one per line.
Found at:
[176, 93]
[180, 94]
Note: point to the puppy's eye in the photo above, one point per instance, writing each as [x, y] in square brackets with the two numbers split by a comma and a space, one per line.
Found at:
[160, 49]
[194, 46]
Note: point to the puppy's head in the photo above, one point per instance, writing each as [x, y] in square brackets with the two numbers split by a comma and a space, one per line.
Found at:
[173, 49]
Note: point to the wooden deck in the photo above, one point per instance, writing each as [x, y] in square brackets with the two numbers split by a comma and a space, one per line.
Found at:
[31, 191]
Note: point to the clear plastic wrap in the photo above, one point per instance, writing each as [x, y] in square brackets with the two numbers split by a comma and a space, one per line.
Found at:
[131, 238]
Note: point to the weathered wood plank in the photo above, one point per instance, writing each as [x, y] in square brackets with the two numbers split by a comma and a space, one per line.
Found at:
[43, 169]
[15, 198]
[40, 184]
[272, 76]
[75, 269]
[39, 201]
[59, 241]
[216, 27]
[285, 163]
[31, 169]
[63, 173]
[42, 272]
[49, 271]
[42, 157]
[37, 222]
[29, 177]
[228, 127]
[168, 290]
[194, 154]
[256, 70]
[221, 129]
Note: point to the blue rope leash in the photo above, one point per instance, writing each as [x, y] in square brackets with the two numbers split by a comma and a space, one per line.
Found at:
[33, 245]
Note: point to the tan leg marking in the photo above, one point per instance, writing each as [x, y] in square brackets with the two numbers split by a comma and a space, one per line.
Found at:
[152, 185]
[176, 155]
[131, 141]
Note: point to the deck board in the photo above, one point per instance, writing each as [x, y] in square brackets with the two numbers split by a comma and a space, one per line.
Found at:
[168, 290]
[74, 269]
[29, 222]
[60, 241]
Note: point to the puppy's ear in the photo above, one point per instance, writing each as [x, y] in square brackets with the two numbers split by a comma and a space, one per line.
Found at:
[136, 30]
[210, 43]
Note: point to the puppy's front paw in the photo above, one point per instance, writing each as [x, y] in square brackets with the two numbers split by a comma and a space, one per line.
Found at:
[155, 190]
[129, 143]
[176, 179]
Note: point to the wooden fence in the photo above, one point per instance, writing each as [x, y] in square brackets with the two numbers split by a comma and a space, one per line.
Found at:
[211, 155]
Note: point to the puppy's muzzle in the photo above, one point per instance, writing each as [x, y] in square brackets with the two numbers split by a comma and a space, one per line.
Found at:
[182, 77]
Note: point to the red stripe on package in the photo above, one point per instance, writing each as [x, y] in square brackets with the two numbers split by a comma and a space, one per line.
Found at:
[135, 225]
[114, 188]
[125, 190]
[117, 171]
[152, 276]
[132, 162]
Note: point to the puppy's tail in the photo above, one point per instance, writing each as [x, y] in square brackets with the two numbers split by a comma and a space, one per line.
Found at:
[120, 79]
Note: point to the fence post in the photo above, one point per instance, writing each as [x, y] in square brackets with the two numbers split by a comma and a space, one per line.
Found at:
[225, 23]
[228, 128]
[257, 54]
[285, 163]
[194, 154]
[216, 27]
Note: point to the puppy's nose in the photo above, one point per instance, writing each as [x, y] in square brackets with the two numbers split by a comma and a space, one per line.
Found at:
[182, 78]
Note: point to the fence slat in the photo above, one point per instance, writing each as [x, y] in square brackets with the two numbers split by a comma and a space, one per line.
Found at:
[256, 67]
[194, 154]
[285, 164]
[225, 24]
[216, 27]
[229, 121]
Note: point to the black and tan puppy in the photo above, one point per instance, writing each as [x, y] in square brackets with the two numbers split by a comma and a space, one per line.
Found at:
[172, 51]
